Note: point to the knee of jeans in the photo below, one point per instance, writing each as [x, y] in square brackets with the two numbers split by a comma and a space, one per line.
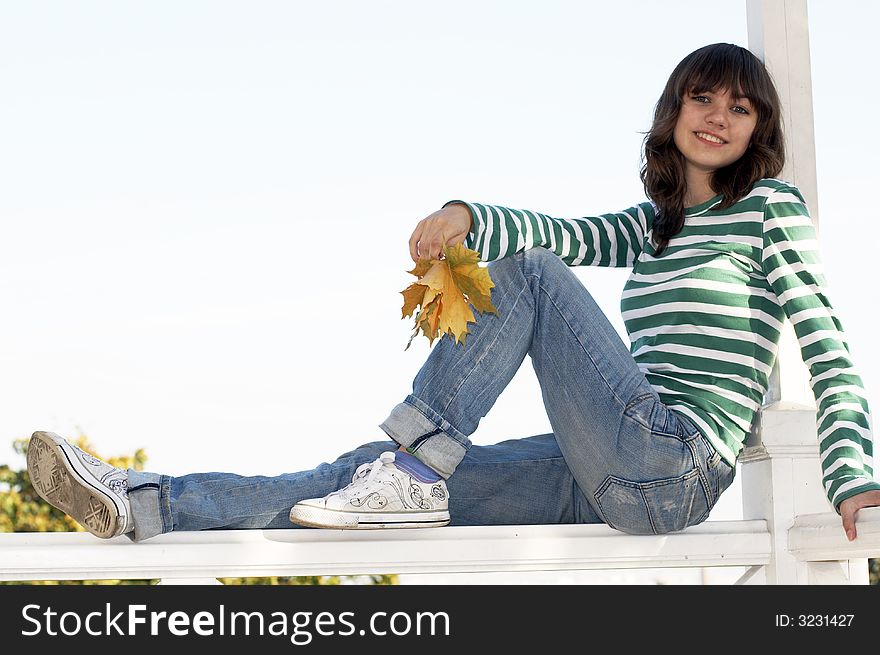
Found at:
[537, 253]
[536, 259]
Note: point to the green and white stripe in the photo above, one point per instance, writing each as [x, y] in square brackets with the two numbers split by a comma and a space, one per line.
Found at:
[704, 318]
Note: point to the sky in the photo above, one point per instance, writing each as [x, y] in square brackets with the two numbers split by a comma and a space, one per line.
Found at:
[206, 206]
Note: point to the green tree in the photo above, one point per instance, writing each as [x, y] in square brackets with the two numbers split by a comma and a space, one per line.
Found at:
[22, 510]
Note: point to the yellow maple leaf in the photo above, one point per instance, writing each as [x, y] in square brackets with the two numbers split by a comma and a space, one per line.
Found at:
[472, 279]
[428, 319]
[431, 316]
[455, 314]
[444, 290]
[412, 298]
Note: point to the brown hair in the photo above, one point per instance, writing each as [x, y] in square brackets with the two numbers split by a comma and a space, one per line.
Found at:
[711, 68]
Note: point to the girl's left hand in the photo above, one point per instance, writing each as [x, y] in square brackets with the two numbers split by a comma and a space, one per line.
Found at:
[850, 506]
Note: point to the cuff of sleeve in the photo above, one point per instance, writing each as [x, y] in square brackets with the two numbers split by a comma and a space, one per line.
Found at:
[870, 485]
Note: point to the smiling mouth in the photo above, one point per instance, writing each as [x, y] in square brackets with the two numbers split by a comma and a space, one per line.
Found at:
[709, 138]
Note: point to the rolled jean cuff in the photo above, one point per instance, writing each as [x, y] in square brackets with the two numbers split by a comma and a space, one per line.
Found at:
[425, 433]
[149, 495]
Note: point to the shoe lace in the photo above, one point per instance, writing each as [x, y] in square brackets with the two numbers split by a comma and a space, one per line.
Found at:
[373, 467]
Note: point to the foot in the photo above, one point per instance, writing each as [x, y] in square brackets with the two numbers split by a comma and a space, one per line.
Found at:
[90, 491]
[395, 491]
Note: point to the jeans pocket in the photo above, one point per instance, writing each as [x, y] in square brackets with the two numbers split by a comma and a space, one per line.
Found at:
[641, 409]
[719, 473]
[650, 412]
[654, 507]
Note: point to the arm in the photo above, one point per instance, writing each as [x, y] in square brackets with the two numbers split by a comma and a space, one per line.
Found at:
[793, 267]
[606, 240]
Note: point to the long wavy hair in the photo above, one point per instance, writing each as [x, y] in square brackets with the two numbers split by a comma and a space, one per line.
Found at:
[711, 68]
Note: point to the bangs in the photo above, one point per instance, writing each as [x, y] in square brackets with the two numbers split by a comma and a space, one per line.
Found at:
[732, 68]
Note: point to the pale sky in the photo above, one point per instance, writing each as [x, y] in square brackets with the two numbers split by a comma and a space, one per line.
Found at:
[206, 205]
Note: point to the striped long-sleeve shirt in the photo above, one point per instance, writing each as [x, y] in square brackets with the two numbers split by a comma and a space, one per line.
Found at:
[704, 318]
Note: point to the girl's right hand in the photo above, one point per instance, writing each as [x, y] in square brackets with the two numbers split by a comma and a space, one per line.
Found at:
[453, 223]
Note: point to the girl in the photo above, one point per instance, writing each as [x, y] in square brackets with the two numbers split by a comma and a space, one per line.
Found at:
[644, 440]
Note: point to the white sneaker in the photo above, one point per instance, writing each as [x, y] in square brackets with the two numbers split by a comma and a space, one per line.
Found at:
[381, 495]
[90, 491]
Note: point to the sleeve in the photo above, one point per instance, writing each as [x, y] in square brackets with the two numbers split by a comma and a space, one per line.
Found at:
[790, 259]
[606, 240]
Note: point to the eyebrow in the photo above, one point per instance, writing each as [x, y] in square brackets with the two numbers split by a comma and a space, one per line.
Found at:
[734, 98]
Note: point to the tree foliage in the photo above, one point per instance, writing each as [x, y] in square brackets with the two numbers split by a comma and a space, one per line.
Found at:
[22, 510]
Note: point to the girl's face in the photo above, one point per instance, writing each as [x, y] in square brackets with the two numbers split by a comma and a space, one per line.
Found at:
[713, 129]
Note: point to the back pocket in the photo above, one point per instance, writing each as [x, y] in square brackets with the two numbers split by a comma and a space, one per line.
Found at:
[655, 507]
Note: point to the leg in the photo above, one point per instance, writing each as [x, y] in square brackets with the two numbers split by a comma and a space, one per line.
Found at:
[458, 385]
[644, 467]
[514, 482]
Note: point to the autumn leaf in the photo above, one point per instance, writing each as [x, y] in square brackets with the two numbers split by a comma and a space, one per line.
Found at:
[472, 280]
[428, 319]
[412, 297]
[444, 290]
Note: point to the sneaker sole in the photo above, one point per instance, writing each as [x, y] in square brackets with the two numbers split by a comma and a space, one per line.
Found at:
[314, 517]
[58, 478]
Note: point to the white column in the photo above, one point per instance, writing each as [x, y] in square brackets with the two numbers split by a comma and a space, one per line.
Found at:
[781, 472]
[779, 36]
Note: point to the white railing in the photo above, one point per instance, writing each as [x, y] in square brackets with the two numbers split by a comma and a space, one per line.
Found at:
[816, 541]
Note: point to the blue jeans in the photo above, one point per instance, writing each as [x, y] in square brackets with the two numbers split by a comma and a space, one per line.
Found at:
[617, 454]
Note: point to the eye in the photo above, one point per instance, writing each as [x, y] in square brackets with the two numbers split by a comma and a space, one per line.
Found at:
[739, 109]
[700, 99]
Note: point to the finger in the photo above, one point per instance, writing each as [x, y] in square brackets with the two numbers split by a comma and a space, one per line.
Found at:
[427, 246]
[442, 242]
[849, 524]
[413, 242]
[437, 247]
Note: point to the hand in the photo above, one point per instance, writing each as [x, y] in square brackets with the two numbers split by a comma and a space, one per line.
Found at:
[451, 223]
[851, 506]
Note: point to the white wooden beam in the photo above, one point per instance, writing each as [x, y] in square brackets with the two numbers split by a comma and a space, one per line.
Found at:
[779, 36]
[815, 537]
[182, 556]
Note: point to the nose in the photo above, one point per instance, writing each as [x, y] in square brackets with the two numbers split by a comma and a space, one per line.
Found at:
[716, 116]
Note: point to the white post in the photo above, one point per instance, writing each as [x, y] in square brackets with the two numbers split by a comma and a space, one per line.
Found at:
[781, 471]
[779, 35]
